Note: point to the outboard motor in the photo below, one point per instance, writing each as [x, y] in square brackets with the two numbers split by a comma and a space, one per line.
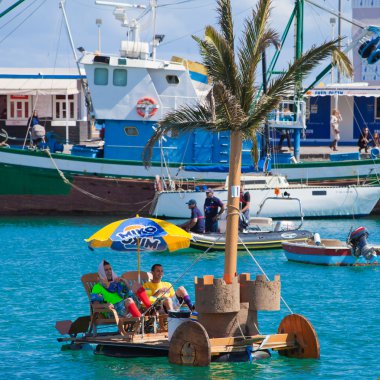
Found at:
[358, 240]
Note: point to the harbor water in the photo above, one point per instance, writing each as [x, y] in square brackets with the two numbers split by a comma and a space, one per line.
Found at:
[44, 258]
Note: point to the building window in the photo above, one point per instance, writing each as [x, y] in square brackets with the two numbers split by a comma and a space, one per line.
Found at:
[61, 106]
[101, 77]
[19, 107]
[120, 77]
[131, 131]
[172, 79]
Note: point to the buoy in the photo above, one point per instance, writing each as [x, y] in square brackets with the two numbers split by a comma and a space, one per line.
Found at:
[146, 107]
[317, 239]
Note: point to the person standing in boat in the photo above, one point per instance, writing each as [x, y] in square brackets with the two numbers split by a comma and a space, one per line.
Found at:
[336, 118]
[245, 203]
[37, 130]
[287, 116]
[364, 140]
[197, 221]
[213, 208]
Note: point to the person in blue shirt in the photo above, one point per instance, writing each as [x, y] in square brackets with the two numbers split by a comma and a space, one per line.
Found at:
[212, 212]
[197, 221]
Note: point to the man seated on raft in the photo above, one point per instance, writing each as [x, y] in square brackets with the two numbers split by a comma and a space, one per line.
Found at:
[160, 291]
[113, 289]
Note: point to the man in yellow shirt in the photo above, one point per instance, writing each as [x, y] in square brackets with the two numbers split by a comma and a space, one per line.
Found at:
[156, 288]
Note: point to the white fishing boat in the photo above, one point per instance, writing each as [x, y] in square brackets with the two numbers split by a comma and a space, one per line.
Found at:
[317, 201]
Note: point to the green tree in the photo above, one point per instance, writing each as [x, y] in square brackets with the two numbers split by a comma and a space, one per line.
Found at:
[234, 103]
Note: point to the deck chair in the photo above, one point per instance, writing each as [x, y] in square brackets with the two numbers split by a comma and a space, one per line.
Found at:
[103, 313]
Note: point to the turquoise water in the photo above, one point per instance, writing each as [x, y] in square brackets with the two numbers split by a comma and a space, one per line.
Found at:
[44, 258]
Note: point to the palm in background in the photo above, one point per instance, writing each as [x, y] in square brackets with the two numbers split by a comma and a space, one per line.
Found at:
[234, 103]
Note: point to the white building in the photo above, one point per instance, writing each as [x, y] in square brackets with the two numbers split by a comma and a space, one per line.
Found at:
[57, 95]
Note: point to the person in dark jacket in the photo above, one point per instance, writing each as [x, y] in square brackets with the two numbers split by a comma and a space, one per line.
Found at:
[213, 208]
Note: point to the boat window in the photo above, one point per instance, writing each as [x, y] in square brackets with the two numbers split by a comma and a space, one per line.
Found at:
[101, 77]
[172, 79]
[120, 77]
[131, 131]
[319, 192]
[255, 182]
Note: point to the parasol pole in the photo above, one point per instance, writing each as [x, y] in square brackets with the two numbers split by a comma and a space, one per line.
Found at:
[138, 260]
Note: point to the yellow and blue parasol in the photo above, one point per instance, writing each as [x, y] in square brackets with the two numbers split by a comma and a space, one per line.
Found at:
[145, 234]
[140, 234]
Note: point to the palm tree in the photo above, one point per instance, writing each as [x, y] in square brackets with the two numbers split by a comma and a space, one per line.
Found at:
[234, 103]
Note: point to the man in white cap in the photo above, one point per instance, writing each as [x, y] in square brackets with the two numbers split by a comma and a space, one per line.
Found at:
[197, 222]
[212, 212]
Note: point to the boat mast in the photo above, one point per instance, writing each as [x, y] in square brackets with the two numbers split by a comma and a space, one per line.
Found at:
[299, 6]
[83, 84]
[17, 3]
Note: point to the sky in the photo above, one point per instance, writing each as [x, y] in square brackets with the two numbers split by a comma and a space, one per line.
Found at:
[34, 34]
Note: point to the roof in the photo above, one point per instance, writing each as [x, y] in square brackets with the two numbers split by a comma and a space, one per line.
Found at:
[33, 81]
[353, 89]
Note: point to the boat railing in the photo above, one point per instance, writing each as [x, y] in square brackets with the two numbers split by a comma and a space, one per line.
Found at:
[288, 199]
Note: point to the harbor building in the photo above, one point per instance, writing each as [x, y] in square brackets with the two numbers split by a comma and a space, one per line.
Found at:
[56, 94]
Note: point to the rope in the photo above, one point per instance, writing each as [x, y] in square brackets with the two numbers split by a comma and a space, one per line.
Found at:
[85, 192]
[262, 271]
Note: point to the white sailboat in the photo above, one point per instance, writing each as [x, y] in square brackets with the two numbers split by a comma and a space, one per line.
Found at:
[265, 190]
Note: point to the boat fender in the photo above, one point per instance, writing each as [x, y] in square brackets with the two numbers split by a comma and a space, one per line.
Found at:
[317, 239]
[374, 56]
[358, 240]
[367, 47]
[146, 107]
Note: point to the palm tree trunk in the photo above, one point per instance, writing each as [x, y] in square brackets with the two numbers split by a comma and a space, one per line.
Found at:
[230, 259]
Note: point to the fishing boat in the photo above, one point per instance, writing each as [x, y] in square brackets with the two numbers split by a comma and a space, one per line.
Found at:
[272, 196]
[130, 92]
[334, 252]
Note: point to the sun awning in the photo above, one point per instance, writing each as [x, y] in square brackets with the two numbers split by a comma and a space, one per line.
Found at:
[364, 91]
[38, 86]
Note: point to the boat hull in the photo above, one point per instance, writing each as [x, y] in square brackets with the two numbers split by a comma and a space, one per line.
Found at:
[324, 255]
[316, 201]
[251, 241]
[39, 191]
[37, 182]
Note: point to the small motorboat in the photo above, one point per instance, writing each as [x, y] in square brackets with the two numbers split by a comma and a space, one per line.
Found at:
[355, 252]
[258, 235]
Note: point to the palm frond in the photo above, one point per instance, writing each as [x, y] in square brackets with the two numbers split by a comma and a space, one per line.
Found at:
[226, 22]
[255, 151]
[342, 62]
[218, 58]
[227, 107]
[185, 119]
[285, 84]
